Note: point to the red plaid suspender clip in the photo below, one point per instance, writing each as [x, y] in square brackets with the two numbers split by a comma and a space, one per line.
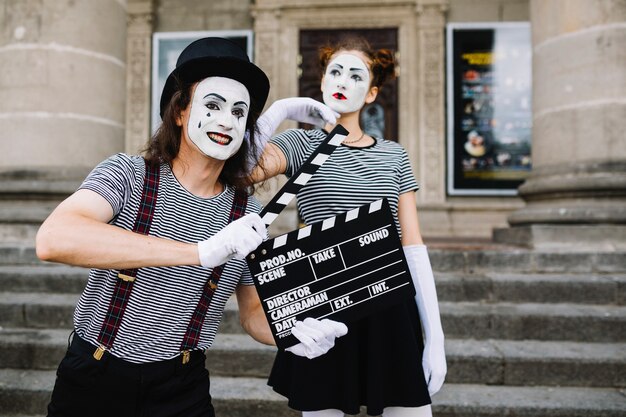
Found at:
[192, 334]
[126, 277]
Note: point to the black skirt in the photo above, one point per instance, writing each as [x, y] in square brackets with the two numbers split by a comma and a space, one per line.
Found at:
[377, 364]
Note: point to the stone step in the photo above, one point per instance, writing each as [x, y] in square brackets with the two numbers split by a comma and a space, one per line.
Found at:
[12, 253]
[533, 288]
[48, 278]
[537, 288]
[28, 392]
[20, 219]
[20, 232]
[26, 211]
[17, 415]
[481, 259]
[461, 320]
[230, 355]
[536, 363]
[493, 362]
[448, 259]
[53, 310]
[519, 321]
[456, 400]
[37, 310]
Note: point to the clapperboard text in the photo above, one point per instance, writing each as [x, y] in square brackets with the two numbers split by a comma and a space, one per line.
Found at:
[344, 268]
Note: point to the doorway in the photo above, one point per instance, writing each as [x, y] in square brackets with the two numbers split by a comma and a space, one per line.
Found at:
[378, 119]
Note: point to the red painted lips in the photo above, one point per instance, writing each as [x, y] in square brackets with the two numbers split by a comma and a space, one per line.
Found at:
[219, 138]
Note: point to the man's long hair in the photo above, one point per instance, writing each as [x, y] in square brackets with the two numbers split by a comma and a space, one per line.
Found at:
[164, 145]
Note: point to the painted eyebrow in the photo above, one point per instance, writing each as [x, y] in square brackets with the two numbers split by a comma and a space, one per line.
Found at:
[241, 102]
[216, 95]
[351, 69]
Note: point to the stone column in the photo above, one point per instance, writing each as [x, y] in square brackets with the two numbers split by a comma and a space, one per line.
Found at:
[62, 101]
[576, 194]
[431, 21]
[138, 56]
[62, 82]
[269, 55]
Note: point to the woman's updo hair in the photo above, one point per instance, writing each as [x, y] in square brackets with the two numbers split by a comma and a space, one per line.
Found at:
[382, 63]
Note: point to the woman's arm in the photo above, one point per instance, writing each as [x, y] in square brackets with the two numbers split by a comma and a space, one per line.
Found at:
[251, 315]
[407, 216]
[77, 233]
[299, 109]
[433, 358]
[273, 161]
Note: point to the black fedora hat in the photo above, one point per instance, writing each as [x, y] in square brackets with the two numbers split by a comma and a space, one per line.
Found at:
[217, 57]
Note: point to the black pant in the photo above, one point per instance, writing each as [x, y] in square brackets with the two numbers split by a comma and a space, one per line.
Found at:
[112, 387]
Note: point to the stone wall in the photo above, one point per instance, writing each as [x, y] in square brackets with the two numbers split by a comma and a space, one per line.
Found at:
[62, 74]
[53, 53]
[421, 40]
[188, 15]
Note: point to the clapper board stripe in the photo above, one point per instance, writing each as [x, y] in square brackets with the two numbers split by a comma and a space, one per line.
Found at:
[327, 224]
[304, 174]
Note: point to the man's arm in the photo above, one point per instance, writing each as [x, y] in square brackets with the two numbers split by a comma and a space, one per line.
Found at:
[77, 233]
[273, 161]
[251, 315]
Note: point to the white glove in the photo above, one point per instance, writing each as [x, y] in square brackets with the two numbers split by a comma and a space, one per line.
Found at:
[316, 337]
[236, 240]
[434, 359]
[300, 109]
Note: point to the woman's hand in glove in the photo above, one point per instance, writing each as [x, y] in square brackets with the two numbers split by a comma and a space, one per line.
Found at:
[434, 364]
[300, 109]
[316, 336]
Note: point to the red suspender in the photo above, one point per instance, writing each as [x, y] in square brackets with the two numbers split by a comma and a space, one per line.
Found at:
[192, 334]
[126, 277]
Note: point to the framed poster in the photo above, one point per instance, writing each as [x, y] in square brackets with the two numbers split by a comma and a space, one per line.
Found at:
[166, 46]
[489, 107]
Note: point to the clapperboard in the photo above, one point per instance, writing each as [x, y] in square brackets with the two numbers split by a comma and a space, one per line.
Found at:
[344, 268]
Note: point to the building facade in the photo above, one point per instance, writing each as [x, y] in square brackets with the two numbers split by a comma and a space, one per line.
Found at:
[75, 82]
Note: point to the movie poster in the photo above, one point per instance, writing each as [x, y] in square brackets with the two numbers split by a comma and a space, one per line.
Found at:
[489, 107]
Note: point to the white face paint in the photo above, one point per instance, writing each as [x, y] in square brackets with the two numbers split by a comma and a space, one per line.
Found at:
[346, 83]
[217, 118]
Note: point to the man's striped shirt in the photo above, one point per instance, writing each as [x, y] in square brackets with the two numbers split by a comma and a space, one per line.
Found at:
[163, 299]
